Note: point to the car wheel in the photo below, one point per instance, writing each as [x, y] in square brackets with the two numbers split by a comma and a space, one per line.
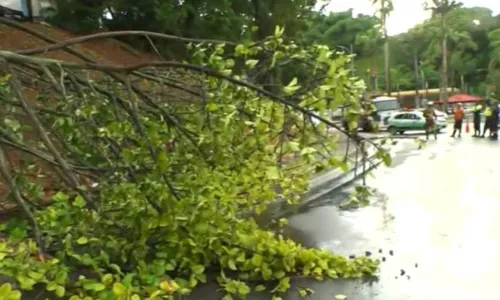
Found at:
[392, 130]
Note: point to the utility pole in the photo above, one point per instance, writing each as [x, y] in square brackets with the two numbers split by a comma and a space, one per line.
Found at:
[417, 79]
[387, 68]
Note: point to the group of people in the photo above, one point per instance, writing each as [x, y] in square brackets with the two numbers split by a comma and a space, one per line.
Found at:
[490, 111]
[491, 114]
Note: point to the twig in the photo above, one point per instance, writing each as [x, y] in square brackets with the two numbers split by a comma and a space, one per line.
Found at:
[204, 70]
[69, 177]
[7, 178]
[114, 34]
[66, 48]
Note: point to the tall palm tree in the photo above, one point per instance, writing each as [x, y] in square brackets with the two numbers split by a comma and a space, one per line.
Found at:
[494, 66]
[385, 8]
[440, 9]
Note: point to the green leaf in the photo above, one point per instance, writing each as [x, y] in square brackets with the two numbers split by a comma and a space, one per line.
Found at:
[277, 31]
[119, 289]
[273, 173]
[82, 241]
[12, 124]
[212, 107]
[227, 297]
[292, 87]
[302, 293]
[79, 201]
[243, 289]
[260, 288]
[95, 286]
[251, 63]
[308, 151]
[340, 297]
[35, 275]
[199, 269]
[257, 260]
[60, 291]
[335, 161]
[5, 289]
[232, 265]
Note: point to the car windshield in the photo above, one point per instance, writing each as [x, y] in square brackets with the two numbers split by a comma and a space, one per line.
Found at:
[386, 105]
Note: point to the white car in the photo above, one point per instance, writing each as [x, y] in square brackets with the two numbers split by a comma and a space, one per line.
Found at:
[411, 121]
[440, 114]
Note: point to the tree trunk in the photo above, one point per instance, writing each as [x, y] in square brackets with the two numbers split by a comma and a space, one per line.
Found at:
[29, 4]
[444, 66]
[373, 74]
[417, 79]
[387, 69]
[462, 83]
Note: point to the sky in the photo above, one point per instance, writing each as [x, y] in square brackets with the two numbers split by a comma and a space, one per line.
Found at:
[406, 14]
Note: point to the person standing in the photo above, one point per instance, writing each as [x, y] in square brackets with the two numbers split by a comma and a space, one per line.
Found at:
[430, 121]
[487, 119]
[459, 118]
[494, 121]
[477, 119]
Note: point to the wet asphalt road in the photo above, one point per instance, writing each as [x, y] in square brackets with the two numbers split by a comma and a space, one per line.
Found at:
[437, 210]
[434, 220]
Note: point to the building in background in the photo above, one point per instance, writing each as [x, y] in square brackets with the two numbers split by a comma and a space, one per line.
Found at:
[25, 8]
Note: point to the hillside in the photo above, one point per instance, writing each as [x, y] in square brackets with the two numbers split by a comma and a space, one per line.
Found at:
[16, 36]
[104, 51]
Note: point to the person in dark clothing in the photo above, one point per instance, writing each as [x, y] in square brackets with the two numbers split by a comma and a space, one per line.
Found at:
[477, 119]
[494, 121]
[487, 116]
[430, 121]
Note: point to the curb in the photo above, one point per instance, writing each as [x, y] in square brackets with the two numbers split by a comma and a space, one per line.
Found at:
[325, 179]
[334, 179]
[342, 180]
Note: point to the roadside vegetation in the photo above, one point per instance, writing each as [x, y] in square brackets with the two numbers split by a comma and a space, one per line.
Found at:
[136, 182]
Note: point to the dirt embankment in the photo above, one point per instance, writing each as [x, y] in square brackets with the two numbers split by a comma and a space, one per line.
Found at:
[107, 51]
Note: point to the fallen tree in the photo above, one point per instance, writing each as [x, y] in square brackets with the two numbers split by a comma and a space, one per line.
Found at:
[138, 178]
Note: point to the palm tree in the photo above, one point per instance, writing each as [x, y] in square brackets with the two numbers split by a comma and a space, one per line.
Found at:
[385, 8]
[440, 9]
[494, 66]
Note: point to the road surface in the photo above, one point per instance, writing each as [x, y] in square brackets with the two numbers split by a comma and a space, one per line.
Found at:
[436, 210]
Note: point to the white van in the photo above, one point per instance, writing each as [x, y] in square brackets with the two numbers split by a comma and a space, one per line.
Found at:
[385, 107]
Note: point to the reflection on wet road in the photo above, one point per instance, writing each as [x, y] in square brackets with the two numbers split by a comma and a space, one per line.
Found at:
[436, 210]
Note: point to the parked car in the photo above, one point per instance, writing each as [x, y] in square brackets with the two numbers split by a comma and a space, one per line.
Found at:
[365, 123]
[439, 114]
[411, 121]
[384, 108]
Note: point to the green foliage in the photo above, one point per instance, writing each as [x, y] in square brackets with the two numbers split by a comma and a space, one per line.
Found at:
[173, 184]
[468, 48]
[235, 20]
[338, 29]
[6, 292]
[360, 197]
